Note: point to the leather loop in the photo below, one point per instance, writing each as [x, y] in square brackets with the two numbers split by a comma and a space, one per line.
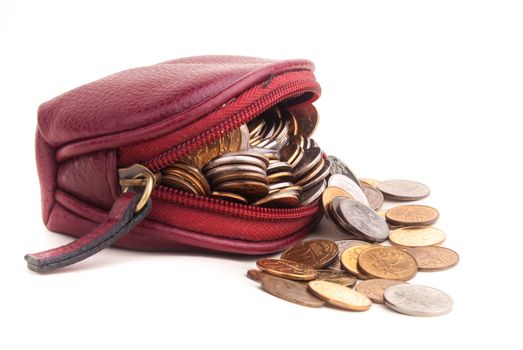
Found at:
[121, 219]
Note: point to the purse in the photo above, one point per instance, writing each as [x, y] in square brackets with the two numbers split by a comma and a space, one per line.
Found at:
[99, 148]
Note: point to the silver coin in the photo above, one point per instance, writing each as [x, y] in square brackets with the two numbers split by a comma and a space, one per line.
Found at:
[339, 167]
[362, 220]
[403, 190]
[374, 196]
[346, 183]
[322, 175]
[311, 158]
[235, 159]
[416, 300]
[343, 245]
[312, 193]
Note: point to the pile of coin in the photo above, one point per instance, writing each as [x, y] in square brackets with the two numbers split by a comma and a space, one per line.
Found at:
[353, 274]
[271, 161]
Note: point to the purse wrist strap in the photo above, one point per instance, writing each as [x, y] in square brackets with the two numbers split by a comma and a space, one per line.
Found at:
[121, 219]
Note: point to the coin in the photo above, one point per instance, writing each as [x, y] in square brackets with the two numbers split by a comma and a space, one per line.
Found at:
[412, 215]
[416, 236]
[179, 183]
[306, 118]
[237, 159]
[403, 190]
[295, 292]
[360, 219]
[196, 173]
[310, 160]
[290, 153]
[416, 300]
[375, 287]
[281, 176]
[238, 175]
[311, 173]
[277, 166]
[370, 182]
[231, 168]
[316, 253]
[279, 199]
[255, 274]
[342, 181]
[434, 258]
[230, 196]
[374, 197]
[349, 259]
[202, 186]
[246, 188]
[339, 167]
[287, 269]
[319, 177]
[387, 263]
[343, 245]
[340, 296]
[312, 193]
[340, 277]
[329, 194]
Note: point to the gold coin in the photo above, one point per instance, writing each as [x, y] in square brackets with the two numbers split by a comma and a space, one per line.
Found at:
[230, 196]
[370, 182]
[434, 258]
[341, 296]
[287, 269]
[349, 259]
[329, 194]
[279, 199]
[315, 252]
[387, 263]
[416, 236]
[412, 215]
[374, 288]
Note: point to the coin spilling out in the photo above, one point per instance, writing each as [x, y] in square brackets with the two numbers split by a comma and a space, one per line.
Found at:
[434, 258]
[340, 296]
[403, 190]
[412, 215]
[287, 269]
[416, 300]
[343, 245]
[316, 253]
[295, 292]
[416, 236]
[387, 263]
[374, 288]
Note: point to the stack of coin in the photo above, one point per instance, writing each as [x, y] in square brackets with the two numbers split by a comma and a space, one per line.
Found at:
[186, 178]
[270, 130]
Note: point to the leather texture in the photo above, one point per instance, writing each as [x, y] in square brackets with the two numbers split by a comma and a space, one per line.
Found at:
[121, 219]
[83, 134]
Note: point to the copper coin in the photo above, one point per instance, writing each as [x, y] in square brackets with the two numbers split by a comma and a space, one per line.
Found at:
[279, 199]
[312, 193]
[295, 292]
[329, 194]
[349, 259]
[239, 175]
[316, 253]
[232, 168]
[403, 190]
[200, 177]
[340, 277]
[306, 118]
[287, 269]
[230, 196]
[343, 245]
[416, 236]
[374, 196]
[255, 274]
[387, 263]
[246, 188]
[374, 288]
[340, 296]
[434, 258]
[310, 160]
[193, 180]
[179, 183]
[412, 215]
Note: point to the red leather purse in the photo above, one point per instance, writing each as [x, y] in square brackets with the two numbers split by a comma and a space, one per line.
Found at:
[153, 116]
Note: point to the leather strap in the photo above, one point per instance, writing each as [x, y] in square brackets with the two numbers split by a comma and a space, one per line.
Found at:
[121, 219]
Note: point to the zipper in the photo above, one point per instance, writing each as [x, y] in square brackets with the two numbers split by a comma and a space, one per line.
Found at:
[231, 122]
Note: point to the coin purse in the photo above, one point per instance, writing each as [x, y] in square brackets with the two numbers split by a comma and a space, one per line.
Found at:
[130, 125]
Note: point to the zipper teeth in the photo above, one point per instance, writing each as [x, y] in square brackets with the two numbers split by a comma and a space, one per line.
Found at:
[231, 123]
[231, 208]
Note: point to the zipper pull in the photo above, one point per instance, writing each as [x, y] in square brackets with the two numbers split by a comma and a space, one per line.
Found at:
[129, 209]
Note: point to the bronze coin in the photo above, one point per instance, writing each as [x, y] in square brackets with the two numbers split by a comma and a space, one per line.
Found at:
[239, 175]
[246, 188]
[255, 274]
[279, 199]
[179, 183]
[340, 296]
[295, 292]
[374, 196]
[310, 160]
[387, 263]
[287, 269]
[316, 253]
[329, 194]
[307, 119]
[232, 168]
[230, 197]
[374, 288]
[434, 258]
[195, 172]
[412, 215]
[193, 180]
[340, 277]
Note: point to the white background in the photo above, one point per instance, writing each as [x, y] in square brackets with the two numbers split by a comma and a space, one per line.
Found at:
[430, 91]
